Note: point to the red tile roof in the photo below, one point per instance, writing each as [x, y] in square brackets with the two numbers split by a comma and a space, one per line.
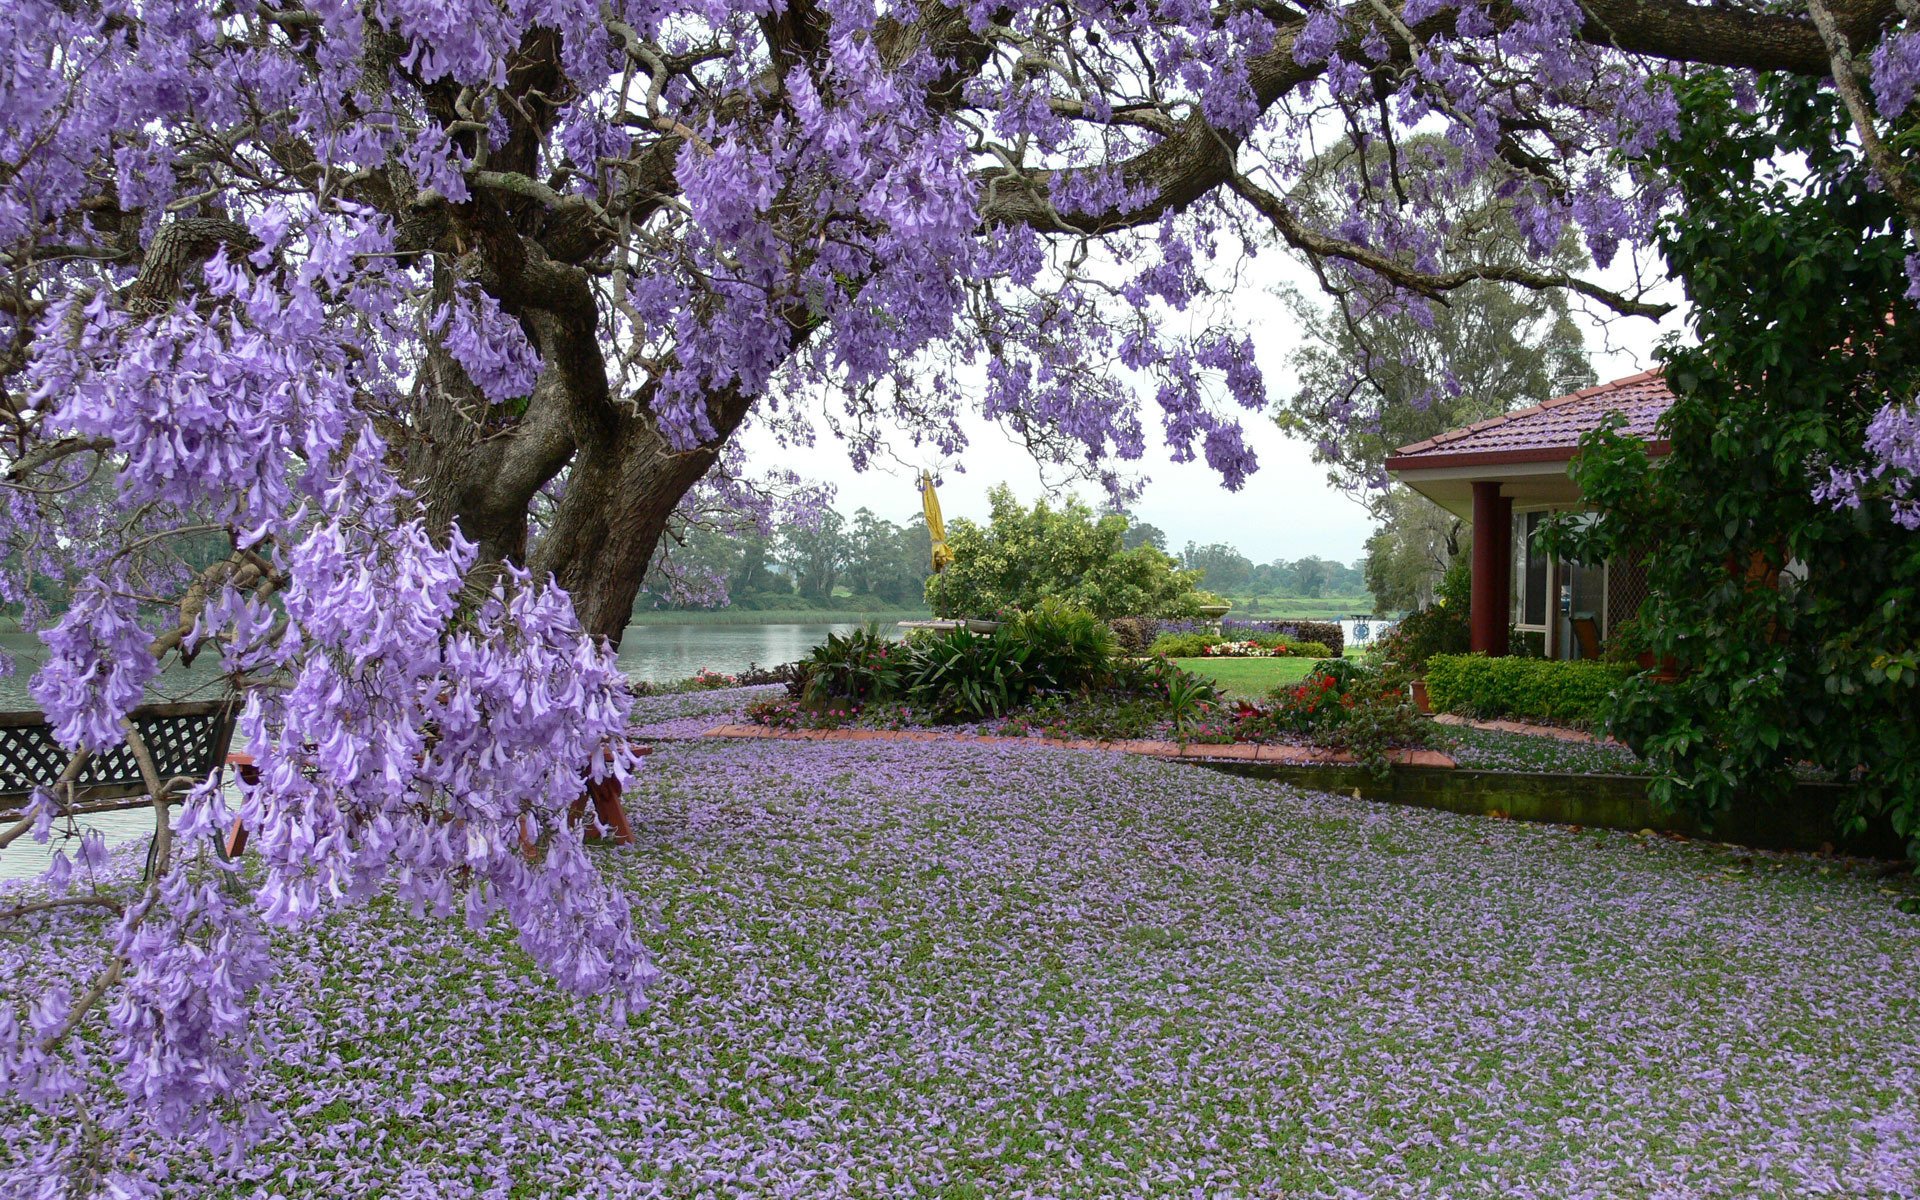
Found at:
[1548, 432]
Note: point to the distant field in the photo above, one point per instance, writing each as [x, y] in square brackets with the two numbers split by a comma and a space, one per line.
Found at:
[776, 616]
[1250, 678]
[1280, 608]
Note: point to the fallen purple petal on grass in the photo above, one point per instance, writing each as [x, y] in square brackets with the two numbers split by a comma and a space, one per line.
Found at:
[912, 970]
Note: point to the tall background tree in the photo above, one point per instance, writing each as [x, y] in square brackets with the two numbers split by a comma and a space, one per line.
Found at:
[1021, 556]
[1376, 372]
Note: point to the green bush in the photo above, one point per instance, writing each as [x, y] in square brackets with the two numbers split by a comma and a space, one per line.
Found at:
[1340, 706]
[1533, 689]
[1182, 645]
[859, 666]
[1132, 634]
[1068, 647]
[1440, 628]
[1021, 556]
[957, 675]
[1317, 633]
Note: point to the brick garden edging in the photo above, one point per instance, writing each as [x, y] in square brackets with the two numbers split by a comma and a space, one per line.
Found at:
[1235, 751]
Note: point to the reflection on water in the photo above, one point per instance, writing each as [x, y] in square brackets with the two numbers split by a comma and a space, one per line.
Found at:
[660, 653]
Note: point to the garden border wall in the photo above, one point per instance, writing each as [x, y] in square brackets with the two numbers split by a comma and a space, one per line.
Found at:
[1803, 821]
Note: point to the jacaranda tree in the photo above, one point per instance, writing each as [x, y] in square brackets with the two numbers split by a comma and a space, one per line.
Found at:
[431, 314]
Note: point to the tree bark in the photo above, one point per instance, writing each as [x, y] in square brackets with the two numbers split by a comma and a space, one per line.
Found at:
[618, 497]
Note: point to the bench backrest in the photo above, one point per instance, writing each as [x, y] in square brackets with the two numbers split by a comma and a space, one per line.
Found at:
[188, 738]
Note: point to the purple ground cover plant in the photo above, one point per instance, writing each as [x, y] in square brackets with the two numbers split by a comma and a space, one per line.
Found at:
[910, 971]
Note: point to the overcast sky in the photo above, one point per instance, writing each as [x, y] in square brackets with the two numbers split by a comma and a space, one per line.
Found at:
[1287, 510]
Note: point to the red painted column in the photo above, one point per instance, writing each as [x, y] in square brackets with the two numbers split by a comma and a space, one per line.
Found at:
[1492, 569]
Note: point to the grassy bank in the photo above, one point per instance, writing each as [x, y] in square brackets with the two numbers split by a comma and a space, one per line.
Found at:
[1293, 608]
[777, 616]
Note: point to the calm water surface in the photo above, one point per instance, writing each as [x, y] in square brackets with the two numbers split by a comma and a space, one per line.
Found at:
[656, 653]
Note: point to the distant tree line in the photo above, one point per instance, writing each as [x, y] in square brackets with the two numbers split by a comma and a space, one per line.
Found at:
[862, 561]
[867, 561]
[1231, 573]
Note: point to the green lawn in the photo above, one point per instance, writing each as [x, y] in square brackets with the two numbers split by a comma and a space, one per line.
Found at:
[1249, 677]
[964, 972]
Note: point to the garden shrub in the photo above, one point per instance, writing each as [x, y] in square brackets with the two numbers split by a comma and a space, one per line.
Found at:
[957, 675]
[859, 666]
[1206, 645]
[1535, 689]
[1182, 645]
[1440, 628]
[1137, 634]
[1326, 634]
[1340, 706]
[1132, 635]
[1068, 647]
[1021, 556]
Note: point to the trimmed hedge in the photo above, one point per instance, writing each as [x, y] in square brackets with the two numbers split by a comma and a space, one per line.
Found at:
[1529, 689]
[1327, 633]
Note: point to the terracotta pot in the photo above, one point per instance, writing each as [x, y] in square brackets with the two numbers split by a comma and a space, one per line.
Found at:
[1420, 701]
[1666, 671]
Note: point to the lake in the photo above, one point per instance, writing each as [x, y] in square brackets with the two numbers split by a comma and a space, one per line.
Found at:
[655, 653]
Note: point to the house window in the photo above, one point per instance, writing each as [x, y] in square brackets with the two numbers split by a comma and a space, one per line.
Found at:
[1530, 572]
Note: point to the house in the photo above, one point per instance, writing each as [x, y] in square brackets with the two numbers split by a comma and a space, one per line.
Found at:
[1507, 474]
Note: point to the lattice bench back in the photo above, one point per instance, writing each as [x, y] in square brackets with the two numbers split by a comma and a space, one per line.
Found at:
[187, 739]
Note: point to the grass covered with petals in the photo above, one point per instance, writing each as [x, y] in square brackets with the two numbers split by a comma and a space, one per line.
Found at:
[969, 971]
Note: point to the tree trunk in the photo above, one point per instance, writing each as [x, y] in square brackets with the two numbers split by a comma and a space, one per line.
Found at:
[618, 497]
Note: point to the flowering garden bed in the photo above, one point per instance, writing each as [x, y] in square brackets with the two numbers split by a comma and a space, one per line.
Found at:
[898, 969]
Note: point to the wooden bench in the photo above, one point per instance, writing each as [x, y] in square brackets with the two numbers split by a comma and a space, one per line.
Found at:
[188, 742]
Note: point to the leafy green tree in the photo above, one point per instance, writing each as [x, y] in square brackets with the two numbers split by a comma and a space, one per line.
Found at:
[1407, 555]
[814, 554]
[885, 560]
[1143, 533]
[1375, 374]
[1222, 568]
[1790, 618]
[1022, 556]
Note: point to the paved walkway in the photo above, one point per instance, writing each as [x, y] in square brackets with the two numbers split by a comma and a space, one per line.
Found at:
[1557, 732]
[1243, 751]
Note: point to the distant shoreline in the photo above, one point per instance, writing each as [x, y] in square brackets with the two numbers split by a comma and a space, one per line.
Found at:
[1312, 610]
[774, 616]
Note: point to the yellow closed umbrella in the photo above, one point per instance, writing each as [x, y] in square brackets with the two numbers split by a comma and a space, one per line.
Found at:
[936, 528]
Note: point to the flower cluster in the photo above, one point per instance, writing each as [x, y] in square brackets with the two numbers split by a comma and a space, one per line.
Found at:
[1893, 476]
[1245, 649]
